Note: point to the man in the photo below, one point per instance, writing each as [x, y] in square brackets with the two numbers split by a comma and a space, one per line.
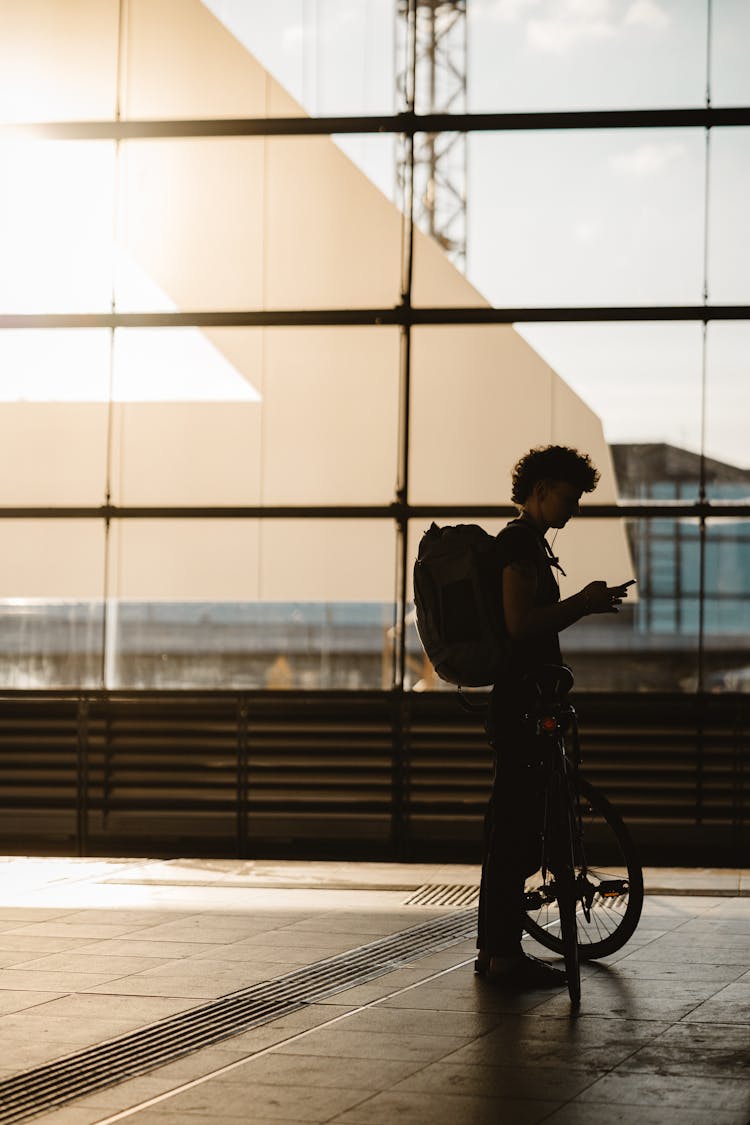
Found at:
[547, 485]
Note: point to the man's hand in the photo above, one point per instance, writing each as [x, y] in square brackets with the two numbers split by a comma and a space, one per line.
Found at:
[601, 598]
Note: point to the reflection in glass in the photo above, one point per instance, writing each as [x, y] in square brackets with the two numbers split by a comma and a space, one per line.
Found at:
[728, 405]
[727, 605]
[279, 604]
[652, 643]
[51, 617]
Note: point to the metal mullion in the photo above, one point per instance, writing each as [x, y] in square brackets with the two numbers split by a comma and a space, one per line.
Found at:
[407, 123]
[397, 511]
[402, 316]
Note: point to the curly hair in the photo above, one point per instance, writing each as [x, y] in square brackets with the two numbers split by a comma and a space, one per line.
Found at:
[552, 462]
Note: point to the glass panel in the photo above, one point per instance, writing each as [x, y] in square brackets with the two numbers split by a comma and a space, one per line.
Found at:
[729, 223]
[58, 62]
[727, 605]
[277, 604]
[52, 578]
[258, 59]
[727, 409]
[483, 396]
[652, 643]
[56, 225]
[643, 382]
[285, 416]
[578, 217]
[252, 223]
[657, 649]
[730, 35]
[551, 55]
[53, 421]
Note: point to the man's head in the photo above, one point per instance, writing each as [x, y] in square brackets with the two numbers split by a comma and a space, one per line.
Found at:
[548, 483]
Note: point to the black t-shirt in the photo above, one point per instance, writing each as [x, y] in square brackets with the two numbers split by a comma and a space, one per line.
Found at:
[520, 541]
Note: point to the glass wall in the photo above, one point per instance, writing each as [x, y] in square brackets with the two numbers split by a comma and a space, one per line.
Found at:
[222, 418]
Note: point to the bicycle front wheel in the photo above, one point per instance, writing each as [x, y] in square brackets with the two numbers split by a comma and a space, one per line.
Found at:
[608, 885]
[566, 901]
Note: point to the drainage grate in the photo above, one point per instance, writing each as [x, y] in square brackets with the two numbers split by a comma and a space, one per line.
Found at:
[444, 894]
[46, 1087]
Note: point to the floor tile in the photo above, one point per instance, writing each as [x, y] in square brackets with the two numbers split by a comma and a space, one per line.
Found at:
[16, 1001]
[577, 1113]
[286, 1102]
[507, 1082]
[158, 950]
[421, 1022]
[63, 981]
[689, 1092]
[449, 1109]
[731, 1005]
[69, 930]
[340, 1041]
[661, 1038]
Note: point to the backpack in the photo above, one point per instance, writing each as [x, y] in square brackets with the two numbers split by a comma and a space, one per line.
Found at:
[457, 595]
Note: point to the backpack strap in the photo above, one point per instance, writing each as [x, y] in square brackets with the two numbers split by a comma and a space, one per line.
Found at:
[552, 558]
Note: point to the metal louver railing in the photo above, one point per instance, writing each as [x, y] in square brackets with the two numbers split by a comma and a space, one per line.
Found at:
[380, 774]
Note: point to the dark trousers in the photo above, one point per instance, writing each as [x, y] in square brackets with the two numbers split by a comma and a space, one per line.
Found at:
[512, 830]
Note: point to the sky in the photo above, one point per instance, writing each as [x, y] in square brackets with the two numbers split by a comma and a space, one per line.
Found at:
[581, 217]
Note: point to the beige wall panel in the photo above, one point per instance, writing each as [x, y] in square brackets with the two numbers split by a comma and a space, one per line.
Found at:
[333, 238]
[592, 550]
[182, 62]
[53, 453]
[43, 44]
[184, 560]
[190, 453]
[330, 425]
[436, 280]
[49, 559]
[192, 217]
[480, 399]
[328, 561]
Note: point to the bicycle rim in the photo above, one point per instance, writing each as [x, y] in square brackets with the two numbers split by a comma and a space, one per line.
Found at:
[608, 885]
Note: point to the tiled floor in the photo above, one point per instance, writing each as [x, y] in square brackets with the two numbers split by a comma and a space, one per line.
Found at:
[92, 949]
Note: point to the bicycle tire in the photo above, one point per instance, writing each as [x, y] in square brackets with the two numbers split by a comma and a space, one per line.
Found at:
[611, 858]
[565, 880]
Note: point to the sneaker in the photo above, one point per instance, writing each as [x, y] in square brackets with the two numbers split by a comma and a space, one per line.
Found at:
[482, 963]
[522, 971]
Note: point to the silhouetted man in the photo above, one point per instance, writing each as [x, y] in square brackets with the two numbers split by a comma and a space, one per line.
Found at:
[547, 485]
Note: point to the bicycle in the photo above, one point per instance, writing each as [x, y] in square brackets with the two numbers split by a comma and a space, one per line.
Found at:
[585, 899]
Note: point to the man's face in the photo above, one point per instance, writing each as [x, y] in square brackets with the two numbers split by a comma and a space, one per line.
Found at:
[560, 502]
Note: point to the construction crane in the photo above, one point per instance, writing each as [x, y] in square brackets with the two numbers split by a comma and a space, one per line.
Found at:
[435, 73]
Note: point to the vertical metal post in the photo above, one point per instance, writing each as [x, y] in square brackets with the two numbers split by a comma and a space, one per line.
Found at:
[398, 761]
[242, 777]
[407, 273]
[702, 491]
[82, 777]
[105, 664]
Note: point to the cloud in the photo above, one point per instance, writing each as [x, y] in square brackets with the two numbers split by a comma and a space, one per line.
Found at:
[556, 26]
[501, 11]
[586, 230]
[647, 159]
[646, 13]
